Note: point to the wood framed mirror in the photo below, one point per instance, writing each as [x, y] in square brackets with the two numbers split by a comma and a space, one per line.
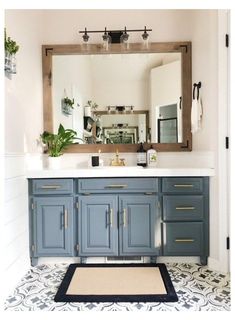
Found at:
[167, 121]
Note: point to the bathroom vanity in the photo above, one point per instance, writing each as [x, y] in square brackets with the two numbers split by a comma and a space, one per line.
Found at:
[119, 213]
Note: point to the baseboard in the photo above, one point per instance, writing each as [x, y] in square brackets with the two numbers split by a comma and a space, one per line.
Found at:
[178, 259]
[52, 260]
[215, 264]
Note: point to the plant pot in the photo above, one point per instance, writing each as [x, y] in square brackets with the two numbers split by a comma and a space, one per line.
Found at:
[66, 109]
[54, 163]
[87, 111]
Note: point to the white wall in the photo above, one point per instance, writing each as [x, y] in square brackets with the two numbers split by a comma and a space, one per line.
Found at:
[23, 124]
[74, 76]
[24, 96]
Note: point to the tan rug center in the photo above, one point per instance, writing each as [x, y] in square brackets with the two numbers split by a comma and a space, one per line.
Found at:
[116, 281]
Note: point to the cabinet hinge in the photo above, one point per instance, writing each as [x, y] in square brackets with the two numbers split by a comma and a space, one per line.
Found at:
[77, 247]
[227, 243]
[77, 205]
[32, 206]
[227, 142]
[33, 247]
[226, 40]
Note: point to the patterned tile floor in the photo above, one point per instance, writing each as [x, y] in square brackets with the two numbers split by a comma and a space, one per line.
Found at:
[197, 287]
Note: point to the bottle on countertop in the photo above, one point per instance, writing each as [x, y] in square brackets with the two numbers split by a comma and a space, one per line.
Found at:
[141, 156]
[101, 161]
[151, 157]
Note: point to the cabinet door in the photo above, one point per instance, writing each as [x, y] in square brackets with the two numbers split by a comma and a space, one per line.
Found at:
[98, 235]
[53, 234]
[183, 239]
[137, 223]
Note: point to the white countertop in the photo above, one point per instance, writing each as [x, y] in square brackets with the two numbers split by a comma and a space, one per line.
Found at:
[127, 171]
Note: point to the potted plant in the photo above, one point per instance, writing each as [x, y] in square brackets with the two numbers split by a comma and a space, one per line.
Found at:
[89, 109]
[67, 105]
[57, 143]
[11, 47]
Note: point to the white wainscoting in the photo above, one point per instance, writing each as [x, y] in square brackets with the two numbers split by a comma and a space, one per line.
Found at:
[15, 259]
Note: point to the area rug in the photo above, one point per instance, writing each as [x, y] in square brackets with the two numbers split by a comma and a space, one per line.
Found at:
[116, 283]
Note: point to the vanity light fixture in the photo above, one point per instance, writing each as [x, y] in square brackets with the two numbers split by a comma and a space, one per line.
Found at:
[120, 109]
[85, 36]
[124, 37]
[145, 35]
[106, 37]
[119, 125]
[115, 36]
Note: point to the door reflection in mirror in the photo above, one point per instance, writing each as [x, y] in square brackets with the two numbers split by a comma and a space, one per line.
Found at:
[145, 81]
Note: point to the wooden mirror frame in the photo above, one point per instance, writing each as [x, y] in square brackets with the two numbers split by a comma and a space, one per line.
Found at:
[48, 51]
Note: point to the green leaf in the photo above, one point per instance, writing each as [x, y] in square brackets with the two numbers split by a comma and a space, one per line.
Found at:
[56, 143]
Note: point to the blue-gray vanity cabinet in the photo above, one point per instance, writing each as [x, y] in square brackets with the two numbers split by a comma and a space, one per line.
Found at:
[137, 223]
[185, 217]
[143, 216]
[97, 225]
[53, 226]
[51, 218]
[118, 185]
[118, 217]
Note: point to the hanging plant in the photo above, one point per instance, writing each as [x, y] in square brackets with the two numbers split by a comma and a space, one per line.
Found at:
[67, 106]
[69, 102]
[92, 105]
[10, 45]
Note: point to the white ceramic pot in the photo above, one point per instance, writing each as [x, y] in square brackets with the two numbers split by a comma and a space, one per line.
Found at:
[54, 162]
[87, 111]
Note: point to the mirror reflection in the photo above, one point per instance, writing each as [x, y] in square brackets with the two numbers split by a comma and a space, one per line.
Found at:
[119, 98]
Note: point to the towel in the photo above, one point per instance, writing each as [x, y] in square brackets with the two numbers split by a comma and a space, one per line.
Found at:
[196, 115]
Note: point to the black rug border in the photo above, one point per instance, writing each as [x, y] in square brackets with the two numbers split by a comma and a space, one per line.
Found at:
[61, 295]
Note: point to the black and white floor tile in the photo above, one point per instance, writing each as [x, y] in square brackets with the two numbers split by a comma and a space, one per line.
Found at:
[197, 287]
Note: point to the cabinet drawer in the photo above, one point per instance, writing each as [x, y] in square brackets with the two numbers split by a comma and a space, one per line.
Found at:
[183, 239]
[182, 185]
[120, 185]
[52, 186]
[183, 207]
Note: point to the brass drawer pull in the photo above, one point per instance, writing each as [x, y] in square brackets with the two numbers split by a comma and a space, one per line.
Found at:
[111, 218]
[124, 217]
[184, 240]
[185, 208]
[51, 187]
[65, 218]
[183, 185]
[118, 186]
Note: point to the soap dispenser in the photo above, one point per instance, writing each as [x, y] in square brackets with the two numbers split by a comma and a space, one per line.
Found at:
[141, 156]
[151, 157]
